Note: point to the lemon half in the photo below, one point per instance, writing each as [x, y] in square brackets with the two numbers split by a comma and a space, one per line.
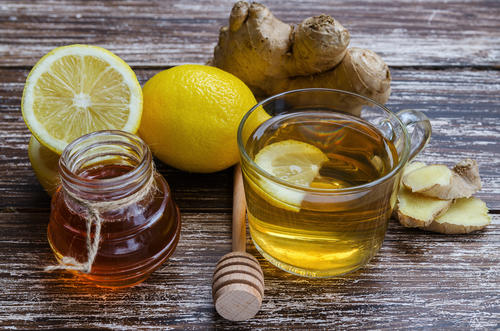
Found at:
[293, 161]
[78, 89]
[45, 164]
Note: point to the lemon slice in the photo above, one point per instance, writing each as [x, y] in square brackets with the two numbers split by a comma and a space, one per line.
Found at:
[293, 161]
[78, 89]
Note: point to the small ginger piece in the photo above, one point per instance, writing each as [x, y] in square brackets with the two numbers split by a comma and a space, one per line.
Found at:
[409, 167]
[415, 210]
[412, 166]
[440, 182]
[464, 215]
[271, 56]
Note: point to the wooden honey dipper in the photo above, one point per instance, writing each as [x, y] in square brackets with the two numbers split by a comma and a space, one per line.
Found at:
[238, 281]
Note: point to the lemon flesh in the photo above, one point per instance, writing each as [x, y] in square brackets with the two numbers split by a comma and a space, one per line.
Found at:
[293, 161]
[78, 89]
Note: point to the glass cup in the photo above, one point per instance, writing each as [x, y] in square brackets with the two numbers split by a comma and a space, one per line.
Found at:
[336, 223]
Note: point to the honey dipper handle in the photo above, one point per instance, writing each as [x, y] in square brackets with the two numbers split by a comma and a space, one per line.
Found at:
[239, 209]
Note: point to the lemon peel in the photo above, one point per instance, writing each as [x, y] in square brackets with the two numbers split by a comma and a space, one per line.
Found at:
[191, 116]
[45, 164]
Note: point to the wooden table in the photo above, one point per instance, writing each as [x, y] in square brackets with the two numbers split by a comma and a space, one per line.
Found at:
[444, 59]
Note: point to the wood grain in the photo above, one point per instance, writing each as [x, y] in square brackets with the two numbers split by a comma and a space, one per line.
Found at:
[444, 58]
[462, 105]
[164, 33]
[417, 280]
[239, 212]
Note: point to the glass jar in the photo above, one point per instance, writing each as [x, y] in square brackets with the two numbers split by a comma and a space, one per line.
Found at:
[113, 219]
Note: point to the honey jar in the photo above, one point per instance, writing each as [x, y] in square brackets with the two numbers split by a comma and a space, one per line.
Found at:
[113, 219]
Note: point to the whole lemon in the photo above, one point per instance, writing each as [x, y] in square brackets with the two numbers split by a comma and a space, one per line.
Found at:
[191, 115]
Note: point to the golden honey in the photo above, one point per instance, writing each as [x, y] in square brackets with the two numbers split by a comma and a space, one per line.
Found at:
[137, 231]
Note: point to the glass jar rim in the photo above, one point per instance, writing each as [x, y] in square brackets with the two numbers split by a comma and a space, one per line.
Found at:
[401, 160]
[137, 171]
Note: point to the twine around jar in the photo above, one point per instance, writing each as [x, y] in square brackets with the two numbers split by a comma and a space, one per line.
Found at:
[94, 212]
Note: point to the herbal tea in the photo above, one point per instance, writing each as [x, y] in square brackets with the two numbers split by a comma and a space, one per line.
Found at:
[308, 226]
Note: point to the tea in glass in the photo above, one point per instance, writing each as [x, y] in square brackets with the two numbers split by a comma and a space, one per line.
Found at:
[321, 183]
[312, 234]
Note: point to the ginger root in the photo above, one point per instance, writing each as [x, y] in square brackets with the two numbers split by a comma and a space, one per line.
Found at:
[415, 210]
[440, 182]
[456, 213]
[272, 57]
[465, 215]
[419, 211]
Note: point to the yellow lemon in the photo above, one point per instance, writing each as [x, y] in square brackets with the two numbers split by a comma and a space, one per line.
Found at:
[191, 116]
[45, 164]
[78, 89]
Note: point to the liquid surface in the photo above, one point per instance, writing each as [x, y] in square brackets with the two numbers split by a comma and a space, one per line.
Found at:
[323, 234]
[135, 239]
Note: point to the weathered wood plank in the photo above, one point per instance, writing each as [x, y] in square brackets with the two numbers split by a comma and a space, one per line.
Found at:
[418, 279]
[462, 104]
[162, 33]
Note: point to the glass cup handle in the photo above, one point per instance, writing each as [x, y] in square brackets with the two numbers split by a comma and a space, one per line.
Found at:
[418, 127]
